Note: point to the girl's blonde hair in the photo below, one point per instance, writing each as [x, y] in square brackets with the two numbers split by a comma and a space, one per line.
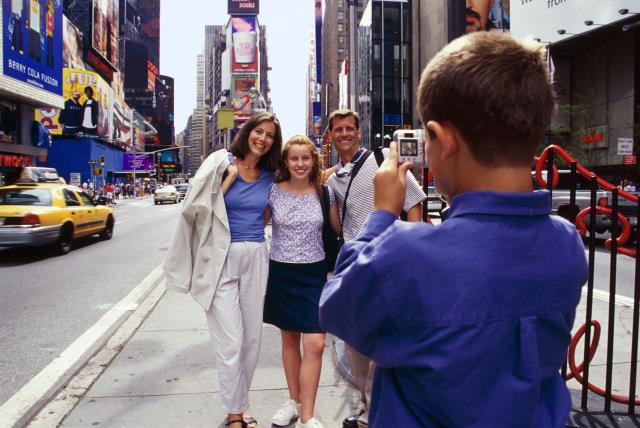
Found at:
[317, 171]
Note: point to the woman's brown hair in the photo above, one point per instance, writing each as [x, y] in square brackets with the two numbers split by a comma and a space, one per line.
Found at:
[317, 170]
[240, 145]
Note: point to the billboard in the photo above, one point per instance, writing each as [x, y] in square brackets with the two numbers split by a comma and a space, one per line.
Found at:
[486, 15]
[245, 44]
[246, 99]
[32, 42]
[139, 161]
[243, 7]
[87, 106]
[104, 34]
[72, 45]
[543, 19]
[120, 130]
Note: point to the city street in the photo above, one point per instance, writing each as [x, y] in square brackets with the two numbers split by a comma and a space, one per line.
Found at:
[47, 301]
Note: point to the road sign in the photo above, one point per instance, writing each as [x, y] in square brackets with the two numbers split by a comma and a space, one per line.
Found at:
[625, 146]
[74, 178]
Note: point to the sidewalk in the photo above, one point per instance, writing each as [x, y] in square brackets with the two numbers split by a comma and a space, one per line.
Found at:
[164, 377]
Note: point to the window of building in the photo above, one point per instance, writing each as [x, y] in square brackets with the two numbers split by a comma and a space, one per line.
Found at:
[340, 52]
[340, 15]
[8, 122]
[341, 39]
[340, 3]
[340, 27]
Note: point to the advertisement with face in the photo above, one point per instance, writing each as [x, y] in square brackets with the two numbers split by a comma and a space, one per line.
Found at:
[543, 19]
[120, 131]
[243, 7]
[104, 34]
[86, 108]
[246, 99]
[72, 45]
[245, 44]
[32, 42]
[486, 15]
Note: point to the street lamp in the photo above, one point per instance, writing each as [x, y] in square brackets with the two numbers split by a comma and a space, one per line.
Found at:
[562, 32]
[626, 11]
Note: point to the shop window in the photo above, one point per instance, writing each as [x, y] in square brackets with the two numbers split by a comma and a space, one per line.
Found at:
[8, 122]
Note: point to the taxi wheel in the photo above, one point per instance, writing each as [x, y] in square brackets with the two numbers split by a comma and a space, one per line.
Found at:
[63, 245]
[107, 232]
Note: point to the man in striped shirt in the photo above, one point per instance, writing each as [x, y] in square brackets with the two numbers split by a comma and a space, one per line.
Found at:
[344, 132]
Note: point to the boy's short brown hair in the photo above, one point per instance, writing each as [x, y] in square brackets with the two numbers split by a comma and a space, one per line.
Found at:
[341, 114]
[495, 90]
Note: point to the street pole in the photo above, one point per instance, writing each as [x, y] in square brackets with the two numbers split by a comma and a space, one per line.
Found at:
[133, 163]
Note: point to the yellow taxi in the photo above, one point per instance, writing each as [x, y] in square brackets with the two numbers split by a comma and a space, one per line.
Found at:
[43, 210]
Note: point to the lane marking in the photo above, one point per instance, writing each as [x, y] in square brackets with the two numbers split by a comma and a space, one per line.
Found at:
[25, 403]
[604, 297]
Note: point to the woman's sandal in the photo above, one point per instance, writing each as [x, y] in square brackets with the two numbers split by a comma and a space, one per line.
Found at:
[247, 422]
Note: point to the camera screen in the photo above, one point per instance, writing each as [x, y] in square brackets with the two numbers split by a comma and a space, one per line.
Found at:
[408, 147]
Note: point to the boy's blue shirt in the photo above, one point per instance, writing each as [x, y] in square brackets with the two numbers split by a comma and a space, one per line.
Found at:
[469, 321]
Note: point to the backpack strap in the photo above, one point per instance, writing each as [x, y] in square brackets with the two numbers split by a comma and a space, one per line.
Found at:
[377, 152]
[354, 171]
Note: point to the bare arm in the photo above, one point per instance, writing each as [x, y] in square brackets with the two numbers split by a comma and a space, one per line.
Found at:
[334, 218]
[267, 216]
[415, 213]
[232, 174]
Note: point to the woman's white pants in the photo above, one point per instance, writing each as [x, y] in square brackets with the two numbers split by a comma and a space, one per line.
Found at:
[235, 321]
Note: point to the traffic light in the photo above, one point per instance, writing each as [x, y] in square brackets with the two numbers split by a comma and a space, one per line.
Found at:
[102, 160]
[97, 171]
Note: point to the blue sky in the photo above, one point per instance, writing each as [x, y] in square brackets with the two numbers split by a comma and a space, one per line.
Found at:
[182, 38]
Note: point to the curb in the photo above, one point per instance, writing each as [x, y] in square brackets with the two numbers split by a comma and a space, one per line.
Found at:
[26, 403]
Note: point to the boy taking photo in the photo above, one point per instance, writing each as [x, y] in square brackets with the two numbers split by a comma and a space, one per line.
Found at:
[473, 317]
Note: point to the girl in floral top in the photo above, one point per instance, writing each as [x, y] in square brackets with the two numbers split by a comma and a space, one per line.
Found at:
[297, 274]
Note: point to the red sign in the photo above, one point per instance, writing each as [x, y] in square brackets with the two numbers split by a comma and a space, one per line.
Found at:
[15, 160]
[593, 138]
[629, 160]
[101, 65]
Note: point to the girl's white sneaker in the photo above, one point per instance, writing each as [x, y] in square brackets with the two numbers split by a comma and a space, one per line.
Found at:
[289, 412]
[311, 423]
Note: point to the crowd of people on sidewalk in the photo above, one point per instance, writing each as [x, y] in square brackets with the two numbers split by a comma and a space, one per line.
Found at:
[110, 193]
[462, 324]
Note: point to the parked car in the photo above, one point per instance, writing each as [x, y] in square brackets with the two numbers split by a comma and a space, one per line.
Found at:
[182, 190]
[50, 213]
[166, 194]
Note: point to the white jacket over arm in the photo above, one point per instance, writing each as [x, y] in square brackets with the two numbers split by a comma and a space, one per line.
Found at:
[201, 241]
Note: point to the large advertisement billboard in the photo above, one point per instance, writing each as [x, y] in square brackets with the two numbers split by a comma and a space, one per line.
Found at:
[246, 99]
[86, 108]
[72, 45]
[138, 161]
[543, 19]
[32, 42]
[244, 37]
[243, 7]
[103, 54]
[486, 15]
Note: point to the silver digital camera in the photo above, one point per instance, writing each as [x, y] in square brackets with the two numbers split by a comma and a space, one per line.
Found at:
[411, 146]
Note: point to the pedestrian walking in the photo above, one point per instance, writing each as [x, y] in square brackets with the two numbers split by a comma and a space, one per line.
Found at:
[219, 254]
[473, 317]
[109, 193]
[297, 273]
[352, 183]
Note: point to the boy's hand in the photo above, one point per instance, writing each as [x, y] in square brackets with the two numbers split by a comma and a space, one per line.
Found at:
[390, 183]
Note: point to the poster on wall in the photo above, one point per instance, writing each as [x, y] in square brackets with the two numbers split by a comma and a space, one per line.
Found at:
[72, 45]
[104, 31]
[86, 108]
[543, 19]
[486, 15]
[246, 99]
[245, 44]
[120, 131]
[32, 42]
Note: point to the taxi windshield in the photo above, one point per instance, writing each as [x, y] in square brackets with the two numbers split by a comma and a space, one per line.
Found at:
[41, 197]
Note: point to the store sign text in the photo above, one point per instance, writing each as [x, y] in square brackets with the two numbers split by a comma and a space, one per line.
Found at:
[15, 160]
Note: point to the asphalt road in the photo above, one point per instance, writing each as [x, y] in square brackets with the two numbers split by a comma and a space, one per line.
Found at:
[47, 301]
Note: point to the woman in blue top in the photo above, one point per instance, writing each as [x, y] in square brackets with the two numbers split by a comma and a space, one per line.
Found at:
[235, 315]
